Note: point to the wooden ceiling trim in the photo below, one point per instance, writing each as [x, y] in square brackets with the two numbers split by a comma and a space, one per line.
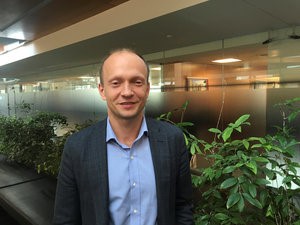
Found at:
[52, 16]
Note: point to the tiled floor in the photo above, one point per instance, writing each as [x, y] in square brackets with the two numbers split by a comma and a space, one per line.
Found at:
[5, 219]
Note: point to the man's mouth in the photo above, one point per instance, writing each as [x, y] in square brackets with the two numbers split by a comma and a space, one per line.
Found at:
[126, 103]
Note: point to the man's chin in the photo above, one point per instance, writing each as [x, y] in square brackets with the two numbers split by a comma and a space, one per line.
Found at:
[130, 116]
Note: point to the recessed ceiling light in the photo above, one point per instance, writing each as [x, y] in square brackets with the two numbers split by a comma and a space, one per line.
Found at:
[227, 60]
[292, 67]
[156, 68]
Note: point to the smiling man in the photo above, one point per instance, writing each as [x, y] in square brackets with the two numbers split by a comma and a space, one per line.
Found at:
[127, 169]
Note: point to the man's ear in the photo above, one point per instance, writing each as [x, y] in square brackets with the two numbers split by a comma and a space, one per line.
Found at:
[101, 91]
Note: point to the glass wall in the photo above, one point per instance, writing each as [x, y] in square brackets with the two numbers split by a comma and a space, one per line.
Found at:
[260, 76]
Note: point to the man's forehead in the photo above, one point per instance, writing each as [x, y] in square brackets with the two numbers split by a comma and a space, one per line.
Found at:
[122, 57]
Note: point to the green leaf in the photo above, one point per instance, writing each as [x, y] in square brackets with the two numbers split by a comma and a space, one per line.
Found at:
[185, 105]
[241, 204]
[218, 174]
[270, 212]
[287, 180]
[295, 164]
[193, 148]
[296, 222]
[209, 172]
[214, 156]
[215, 130]
[252, 190]
[234, 189]
[221, 216]
[239, 129]
[229, 169]
[186, 140]
[296, 181]
[232, 200]
[252, 201]
[293, 115]
[263, 197]
[217, 194]
[185, 124]
[228, 183]
[246, 144]
[292, 169]
[241, 120]
[244, 157]
[261, 159]
[242, 179]
[227, 133]
[207, 146]
[270, 174]
[252, 166]
[262, 181]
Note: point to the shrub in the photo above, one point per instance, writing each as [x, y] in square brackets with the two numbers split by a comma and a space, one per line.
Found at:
[31, 140]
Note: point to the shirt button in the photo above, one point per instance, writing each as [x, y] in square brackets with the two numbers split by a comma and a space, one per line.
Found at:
[133, 184]
[131, 157]
[135, 211]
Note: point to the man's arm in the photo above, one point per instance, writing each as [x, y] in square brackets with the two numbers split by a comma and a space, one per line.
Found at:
[67, 204]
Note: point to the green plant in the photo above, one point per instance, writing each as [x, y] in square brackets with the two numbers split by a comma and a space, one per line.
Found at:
[50, 161]
[249, 180]
[191, 140]
[31, 140]
[236, 187]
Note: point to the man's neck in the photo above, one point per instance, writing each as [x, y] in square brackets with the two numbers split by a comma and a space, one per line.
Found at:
[126, 131]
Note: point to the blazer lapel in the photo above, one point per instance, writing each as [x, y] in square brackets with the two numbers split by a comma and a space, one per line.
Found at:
[98, 158]
[162, 166]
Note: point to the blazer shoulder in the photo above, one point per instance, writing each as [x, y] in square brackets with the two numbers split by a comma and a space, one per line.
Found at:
[88, 133]
[162, 126]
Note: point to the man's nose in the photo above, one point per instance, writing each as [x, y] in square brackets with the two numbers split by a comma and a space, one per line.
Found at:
[127, 90]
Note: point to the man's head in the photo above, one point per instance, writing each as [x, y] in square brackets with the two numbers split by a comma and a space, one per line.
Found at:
[122, 50]
[124, 84]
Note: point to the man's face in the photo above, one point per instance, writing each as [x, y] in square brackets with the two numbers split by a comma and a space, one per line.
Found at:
[124, 85]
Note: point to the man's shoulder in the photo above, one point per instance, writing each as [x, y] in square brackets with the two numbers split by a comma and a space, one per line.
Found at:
[160, 125]
[89, 131]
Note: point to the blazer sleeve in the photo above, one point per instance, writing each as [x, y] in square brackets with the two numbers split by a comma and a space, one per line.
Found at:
[67, 204]
[184, 192]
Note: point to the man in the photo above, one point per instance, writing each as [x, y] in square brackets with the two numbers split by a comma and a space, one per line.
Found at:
[126, 169]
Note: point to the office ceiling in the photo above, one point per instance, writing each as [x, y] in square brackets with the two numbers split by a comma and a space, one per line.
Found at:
[202, 23]
[37, 18]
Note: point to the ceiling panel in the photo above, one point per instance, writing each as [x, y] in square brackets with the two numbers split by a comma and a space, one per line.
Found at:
[32, 19]
[202, 23]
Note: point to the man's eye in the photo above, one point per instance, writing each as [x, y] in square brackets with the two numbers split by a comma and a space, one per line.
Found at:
[115, 83]
[138, 82]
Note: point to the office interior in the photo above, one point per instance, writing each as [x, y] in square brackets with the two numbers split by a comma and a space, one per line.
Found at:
[51, 51]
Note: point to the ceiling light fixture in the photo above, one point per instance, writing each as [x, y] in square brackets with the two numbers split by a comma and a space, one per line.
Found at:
[269, 40]
[294, 35]
[156, 68]
[227, 60]
[292, 67]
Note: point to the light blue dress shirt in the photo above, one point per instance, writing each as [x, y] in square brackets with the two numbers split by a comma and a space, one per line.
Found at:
[132, 188]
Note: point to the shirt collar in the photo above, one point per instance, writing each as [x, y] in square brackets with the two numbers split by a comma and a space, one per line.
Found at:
[110, 134]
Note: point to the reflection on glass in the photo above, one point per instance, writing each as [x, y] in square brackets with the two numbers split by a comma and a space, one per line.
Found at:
[197, 84]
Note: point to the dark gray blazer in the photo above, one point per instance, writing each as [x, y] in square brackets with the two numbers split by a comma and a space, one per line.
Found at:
[82, 196]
